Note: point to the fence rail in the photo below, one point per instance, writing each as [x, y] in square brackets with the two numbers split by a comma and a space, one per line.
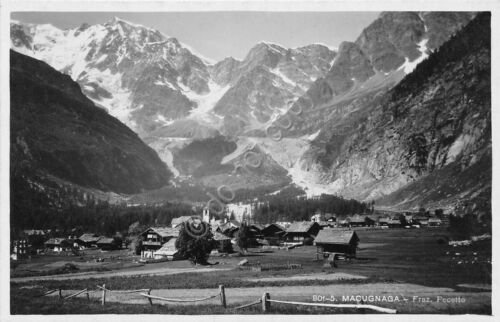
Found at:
[265, 300]
[178, 300]
[248, 305]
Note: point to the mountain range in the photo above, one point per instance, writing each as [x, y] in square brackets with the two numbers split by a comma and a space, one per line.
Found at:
[309, 113]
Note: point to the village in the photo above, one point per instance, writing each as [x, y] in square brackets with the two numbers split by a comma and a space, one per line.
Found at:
[325, 230]
[341, 256]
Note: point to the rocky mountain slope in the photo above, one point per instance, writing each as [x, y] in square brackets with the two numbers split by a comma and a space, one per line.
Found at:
[425, 142]
[386, 51]
[297, 108]
[57, 131]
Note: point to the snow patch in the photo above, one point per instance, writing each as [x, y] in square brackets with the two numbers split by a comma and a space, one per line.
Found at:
[313, 136]
[204, 102]
[457, 147]
[408, 66]
[161, 119]
[277, 72]
[165, 83]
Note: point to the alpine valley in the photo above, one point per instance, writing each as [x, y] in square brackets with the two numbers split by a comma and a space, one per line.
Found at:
[400, 115]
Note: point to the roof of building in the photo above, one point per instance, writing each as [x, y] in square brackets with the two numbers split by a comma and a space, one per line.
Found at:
[435, 220]
[89, 238]
[168, 249]
[179, 220]
[259, 227]
[357, 219]
[276, 225]
[235, 223]
[163, 231]
[55, 241]
[30, 232]
[329, 216]
[228, 226]
[219, 236]
[333, 236]
[105, 240]
[301, 226]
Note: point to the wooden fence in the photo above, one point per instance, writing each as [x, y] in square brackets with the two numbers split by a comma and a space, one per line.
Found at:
[265, 301]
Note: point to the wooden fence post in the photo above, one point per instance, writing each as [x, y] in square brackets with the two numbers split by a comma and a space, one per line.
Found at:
[150, 300]
[222, 295]
[266, 305]
[88, 296]
[60, 294]
[103, 294]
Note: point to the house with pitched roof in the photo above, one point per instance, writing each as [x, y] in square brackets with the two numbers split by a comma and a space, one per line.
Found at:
[302, 232]
[88, 240]
[168, 250]
[337, 241]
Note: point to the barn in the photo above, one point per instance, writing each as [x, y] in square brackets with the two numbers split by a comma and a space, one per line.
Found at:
[335, 241]
[302, 232]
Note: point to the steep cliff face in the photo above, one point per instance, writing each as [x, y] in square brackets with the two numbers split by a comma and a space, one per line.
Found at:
[436, 121]
[386, 51]
[56, 130]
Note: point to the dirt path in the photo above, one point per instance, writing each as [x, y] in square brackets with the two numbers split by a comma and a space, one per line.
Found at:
[411, 298]
[310, 277]
[120, 273]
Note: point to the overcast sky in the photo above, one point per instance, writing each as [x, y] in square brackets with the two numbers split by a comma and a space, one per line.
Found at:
[217, 35]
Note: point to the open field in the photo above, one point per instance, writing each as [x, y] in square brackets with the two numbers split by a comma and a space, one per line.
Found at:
[397, 262]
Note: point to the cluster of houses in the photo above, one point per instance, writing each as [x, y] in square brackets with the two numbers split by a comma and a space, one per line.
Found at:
[21, 248]
[159, 242]
[328, 232]
[387, 221]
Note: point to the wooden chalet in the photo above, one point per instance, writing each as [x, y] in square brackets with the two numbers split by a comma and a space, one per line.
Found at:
[58, 244]
[255, 230]
[107, 243]
[273, 230]
[155, 237]
[273, 234]
[302, 232]
[337, 241]
[88, 240]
